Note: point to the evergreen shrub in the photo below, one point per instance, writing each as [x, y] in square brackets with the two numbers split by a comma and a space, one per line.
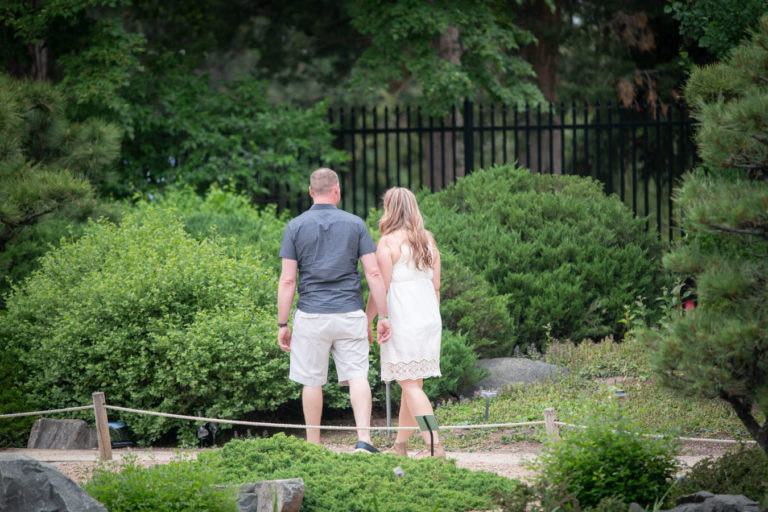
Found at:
[353, 482]
[153, 318]
[560, 251]
[458, 366]
[610, 459]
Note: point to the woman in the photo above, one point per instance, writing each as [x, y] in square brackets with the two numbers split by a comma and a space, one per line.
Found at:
[410, 265]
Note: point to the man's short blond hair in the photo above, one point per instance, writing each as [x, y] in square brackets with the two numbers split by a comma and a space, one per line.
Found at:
[322, 181]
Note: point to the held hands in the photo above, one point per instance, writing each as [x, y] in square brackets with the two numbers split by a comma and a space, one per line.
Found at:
[383, 330]
[284, 338]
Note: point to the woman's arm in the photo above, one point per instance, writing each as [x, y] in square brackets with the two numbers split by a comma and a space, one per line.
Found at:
[436, 270]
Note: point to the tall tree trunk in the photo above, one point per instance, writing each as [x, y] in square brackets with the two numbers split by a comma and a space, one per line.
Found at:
[543, 58]
[40, 54]
[743, 410]
[439, 149]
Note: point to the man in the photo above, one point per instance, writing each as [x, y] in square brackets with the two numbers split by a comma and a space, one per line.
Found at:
[324, 244]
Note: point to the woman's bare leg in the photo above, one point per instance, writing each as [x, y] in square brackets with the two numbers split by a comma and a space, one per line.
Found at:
[417, 404]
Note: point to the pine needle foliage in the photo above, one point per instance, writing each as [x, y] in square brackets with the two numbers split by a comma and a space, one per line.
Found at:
[555, 248]
[719, 349]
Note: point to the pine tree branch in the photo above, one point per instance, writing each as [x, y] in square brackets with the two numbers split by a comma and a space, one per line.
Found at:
[718, 229]
[761, 139]
[763, 79]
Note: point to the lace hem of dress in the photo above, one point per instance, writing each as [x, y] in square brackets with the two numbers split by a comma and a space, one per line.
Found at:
[410, 370]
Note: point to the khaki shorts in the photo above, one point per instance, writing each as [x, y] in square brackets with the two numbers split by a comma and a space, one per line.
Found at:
[315, 335]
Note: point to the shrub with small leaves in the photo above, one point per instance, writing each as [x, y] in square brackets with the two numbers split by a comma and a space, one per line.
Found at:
[180, 486]
[153, 318]
[609, 459]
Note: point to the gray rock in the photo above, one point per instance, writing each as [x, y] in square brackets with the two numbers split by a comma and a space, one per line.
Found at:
[704, 501]
[510, 370]
[48, 434]
[697, 497]
[261, 496]
[27, 485]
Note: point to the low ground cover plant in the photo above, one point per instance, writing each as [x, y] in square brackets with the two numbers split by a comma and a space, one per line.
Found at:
[353, 482]
[179, 486]
[595, 372]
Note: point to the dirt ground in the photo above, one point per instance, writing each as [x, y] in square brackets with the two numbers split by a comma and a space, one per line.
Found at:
[509, 460]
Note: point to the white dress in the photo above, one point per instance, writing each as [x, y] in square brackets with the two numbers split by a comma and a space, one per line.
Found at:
[413, 351]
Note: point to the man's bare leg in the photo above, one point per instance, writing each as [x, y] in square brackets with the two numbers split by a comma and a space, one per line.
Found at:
[360, 397]
[312, 402]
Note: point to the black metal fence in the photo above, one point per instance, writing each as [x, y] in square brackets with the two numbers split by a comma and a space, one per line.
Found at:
[637, 152]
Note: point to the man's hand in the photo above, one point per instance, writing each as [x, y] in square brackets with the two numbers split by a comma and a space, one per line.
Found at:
[284, 338]
[383, 330]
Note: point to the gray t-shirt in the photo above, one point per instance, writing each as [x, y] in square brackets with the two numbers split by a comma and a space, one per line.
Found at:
[327, 243]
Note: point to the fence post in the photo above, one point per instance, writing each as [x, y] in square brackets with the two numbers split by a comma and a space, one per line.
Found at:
[102, 426]
[469, 138]
[549, 423]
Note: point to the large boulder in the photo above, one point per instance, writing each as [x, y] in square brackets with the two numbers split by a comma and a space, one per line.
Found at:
[287, 494]
[704, 501]
[48, 434]
[511, 370]
[27, 485]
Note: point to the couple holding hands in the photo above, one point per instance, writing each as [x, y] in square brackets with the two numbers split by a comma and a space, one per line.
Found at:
[320, 250]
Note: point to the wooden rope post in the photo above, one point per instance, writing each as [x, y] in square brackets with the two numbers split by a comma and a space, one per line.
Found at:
[102, 426]
[549, 423]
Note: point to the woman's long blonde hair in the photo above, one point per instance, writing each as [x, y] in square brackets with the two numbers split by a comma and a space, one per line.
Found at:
[401, 211]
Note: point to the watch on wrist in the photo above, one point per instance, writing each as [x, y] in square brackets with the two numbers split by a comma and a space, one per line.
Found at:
[280, 324]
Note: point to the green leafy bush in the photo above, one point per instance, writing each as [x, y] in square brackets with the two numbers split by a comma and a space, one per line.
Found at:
[562, 252]
[458, 366]
[606, 460]
[742, 471]
[156, 320]
[13, 431]
[228, 217]
[350, 482]
[179, 486]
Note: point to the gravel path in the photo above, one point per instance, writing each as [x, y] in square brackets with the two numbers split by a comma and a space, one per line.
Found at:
[508, 460]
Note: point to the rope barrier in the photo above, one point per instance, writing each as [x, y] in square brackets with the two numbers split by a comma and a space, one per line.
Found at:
[658, 436]
[340, 427]
[302, 426]
[40, 413]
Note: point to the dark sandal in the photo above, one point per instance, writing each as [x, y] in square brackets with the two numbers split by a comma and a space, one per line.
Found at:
[363, 447]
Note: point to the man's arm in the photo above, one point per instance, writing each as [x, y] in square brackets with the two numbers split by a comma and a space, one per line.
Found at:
[286, 289]
[378, 291]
